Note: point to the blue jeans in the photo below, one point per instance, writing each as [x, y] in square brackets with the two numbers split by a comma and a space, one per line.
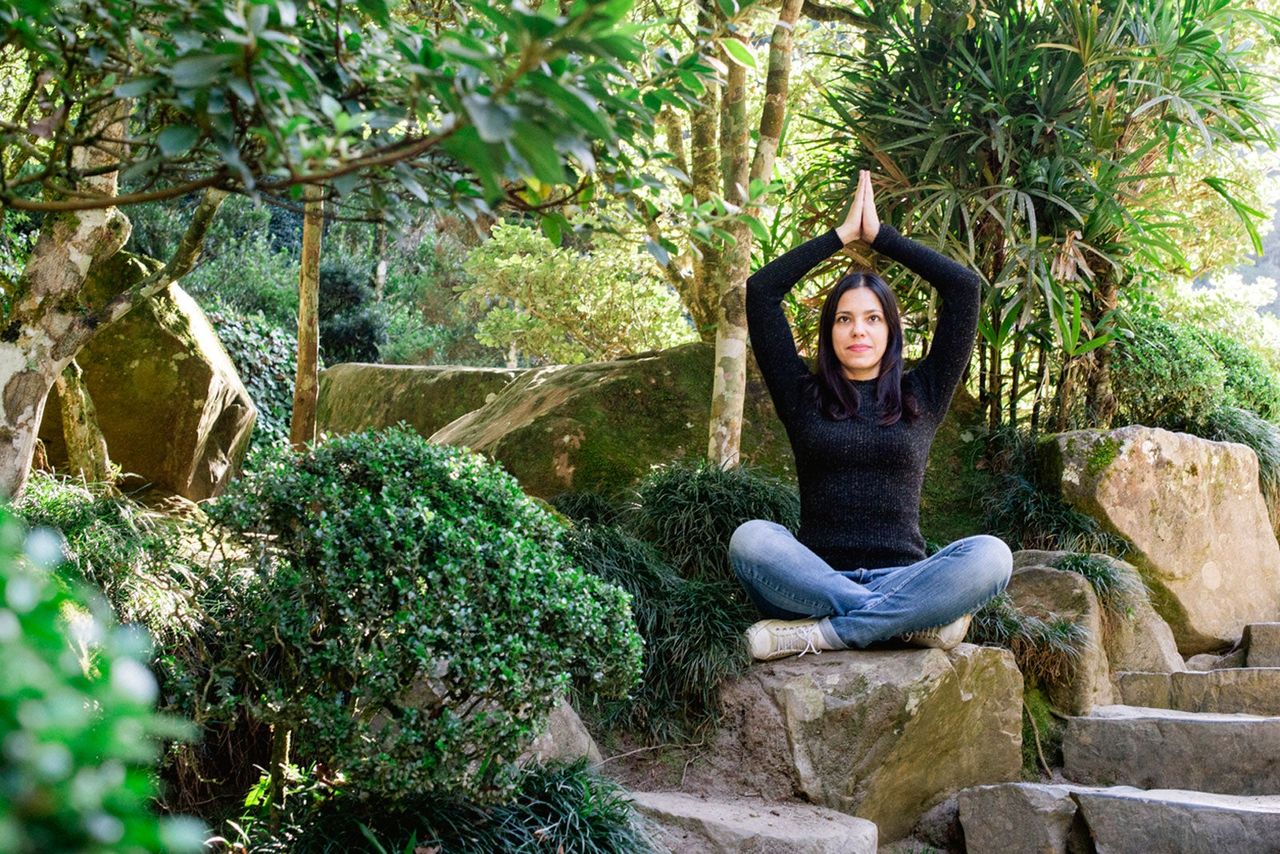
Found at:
[858, 607]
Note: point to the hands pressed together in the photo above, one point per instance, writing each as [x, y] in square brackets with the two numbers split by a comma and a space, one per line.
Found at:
[862, 223]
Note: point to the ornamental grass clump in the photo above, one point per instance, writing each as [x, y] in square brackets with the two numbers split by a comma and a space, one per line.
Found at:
[692, 630]
[412, 615]
[690, 508]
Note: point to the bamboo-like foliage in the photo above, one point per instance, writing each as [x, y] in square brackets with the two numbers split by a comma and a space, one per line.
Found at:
[1036, 140]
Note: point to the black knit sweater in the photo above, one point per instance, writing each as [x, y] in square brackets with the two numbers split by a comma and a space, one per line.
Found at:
[859, 482]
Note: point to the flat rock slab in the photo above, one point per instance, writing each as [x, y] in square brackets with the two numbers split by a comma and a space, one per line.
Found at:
[1248, 690]
[1231, 754]
[1262, 642]
[883, 735]
[689, 824]
[1051, 819]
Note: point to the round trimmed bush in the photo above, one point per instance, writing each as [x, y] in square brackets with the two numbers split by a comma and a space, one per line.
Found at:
[412, 614]
[1250, 383]
[1166, 375]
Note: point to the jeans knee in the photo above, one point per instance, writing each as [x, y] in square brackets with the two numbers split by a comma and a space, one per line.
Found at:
[995, 561]
[747, 538]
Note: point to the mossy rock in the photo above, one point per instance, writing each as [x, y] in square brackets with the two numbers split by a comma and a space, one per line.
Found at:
[599, 426]
[357, 396]
[172, 408]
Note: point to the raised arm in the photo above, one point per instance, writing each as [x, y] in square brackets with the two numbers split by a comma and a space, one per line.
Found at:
[771, 338]
[961, 291]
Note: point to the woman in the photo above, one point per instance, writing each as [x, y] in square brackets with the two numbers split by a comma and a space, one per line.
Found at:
[860, 430]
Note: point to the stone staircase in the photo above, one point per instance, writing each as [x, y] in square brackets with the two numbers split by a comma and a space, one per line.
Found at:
[1190, 762]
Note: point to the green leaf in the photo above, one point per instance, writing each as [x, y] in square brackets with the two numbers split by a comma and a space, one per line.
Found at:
[197, 72]
[176, 139]
[135, 88]
[492, 121]
[538, 149]
[739, 53]
[551, 227]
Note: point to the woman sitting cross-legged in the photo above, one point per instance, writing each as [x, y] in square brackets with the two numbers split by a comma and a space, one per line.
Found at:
[860, 430]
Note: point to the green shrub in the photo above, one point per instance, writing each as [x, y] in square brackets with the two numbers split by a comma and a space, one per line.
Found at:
[1250, 381]
[115, 545]
[266, 358]
[352, 328]
[1232, 424]
[555, 808]
[76, 723]
[692, 629]
[1025, 514]
[412, 615]
[1164, 375]
[689, 509]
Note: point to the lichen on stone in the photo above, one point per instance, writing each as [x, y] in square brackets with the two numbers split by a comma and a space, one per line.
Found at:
[1101, 455]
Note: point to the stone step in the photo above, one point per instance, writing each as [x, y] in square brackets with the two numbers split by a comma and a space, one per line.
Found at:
[1012, 818]
[1251, 690]
[1233, 754]
[693, 824]
[1262, 645]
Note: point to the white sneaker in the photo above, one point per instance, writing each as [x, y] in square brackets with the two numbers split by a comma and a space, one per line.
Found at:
[940, 637]
[770, 639]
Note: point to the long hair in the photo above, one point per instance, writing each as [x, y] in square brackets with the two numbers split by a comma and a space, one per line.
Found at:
[833, 393]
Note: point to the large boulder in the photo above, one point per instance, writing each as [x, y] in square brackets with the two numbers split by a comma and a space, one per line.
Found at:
[1136, 640]
[355, 396]
[601, 425]
[170, 404]
[1195, 515]
[1043, 592]
[882, 735]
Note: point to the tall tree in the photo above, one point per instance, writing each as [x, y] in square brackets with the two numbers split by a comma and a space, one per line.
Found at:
[492, 102]
[745, 178]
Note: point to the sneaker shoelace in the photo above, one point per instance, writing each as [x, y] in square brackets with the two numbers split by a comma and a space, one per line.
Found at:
[789, 640]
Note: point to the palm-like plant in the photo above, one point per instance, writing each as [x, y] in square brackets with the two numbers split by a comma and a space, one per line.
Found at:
[1036, 140]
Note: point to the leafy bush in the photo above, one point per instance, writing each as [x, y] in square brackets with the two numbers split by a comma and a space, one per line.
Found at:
[1025, 514]
[1165, 375]
[555, 304]
[556, 808]
[352, 328]
[76, 724]
[266, 358]
[692, 629]
[689, 510]
[413, 614]
[1250, 381]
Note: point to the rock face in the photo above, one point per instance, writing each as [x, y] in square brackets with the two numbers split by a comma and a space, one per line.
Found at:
[883, 735]
[169, 402]
[564, 738]
[1022, 818]
[1044, 592]
[355, 397]
[1262, 645]
[601, 425]
[1137, 640]
[689, 824]
[1194, 512]
[1246, 690]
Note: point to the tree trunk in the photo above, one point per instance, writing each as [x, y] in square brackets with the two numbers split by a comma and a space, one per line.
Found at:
[306, 389]
[729, 391]
[1100, 399]
[1015, 365]
[673, 129]
[704, 162]
[380, 268]
[1042, 357]
[87, 454]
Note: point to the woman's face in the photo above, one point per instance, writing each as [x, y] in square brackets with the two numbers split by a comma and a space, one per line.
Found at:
[860, 334]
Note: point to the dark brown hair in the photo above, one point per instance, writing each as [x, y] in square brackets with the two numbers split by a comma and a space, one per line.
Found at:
[833, 392]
